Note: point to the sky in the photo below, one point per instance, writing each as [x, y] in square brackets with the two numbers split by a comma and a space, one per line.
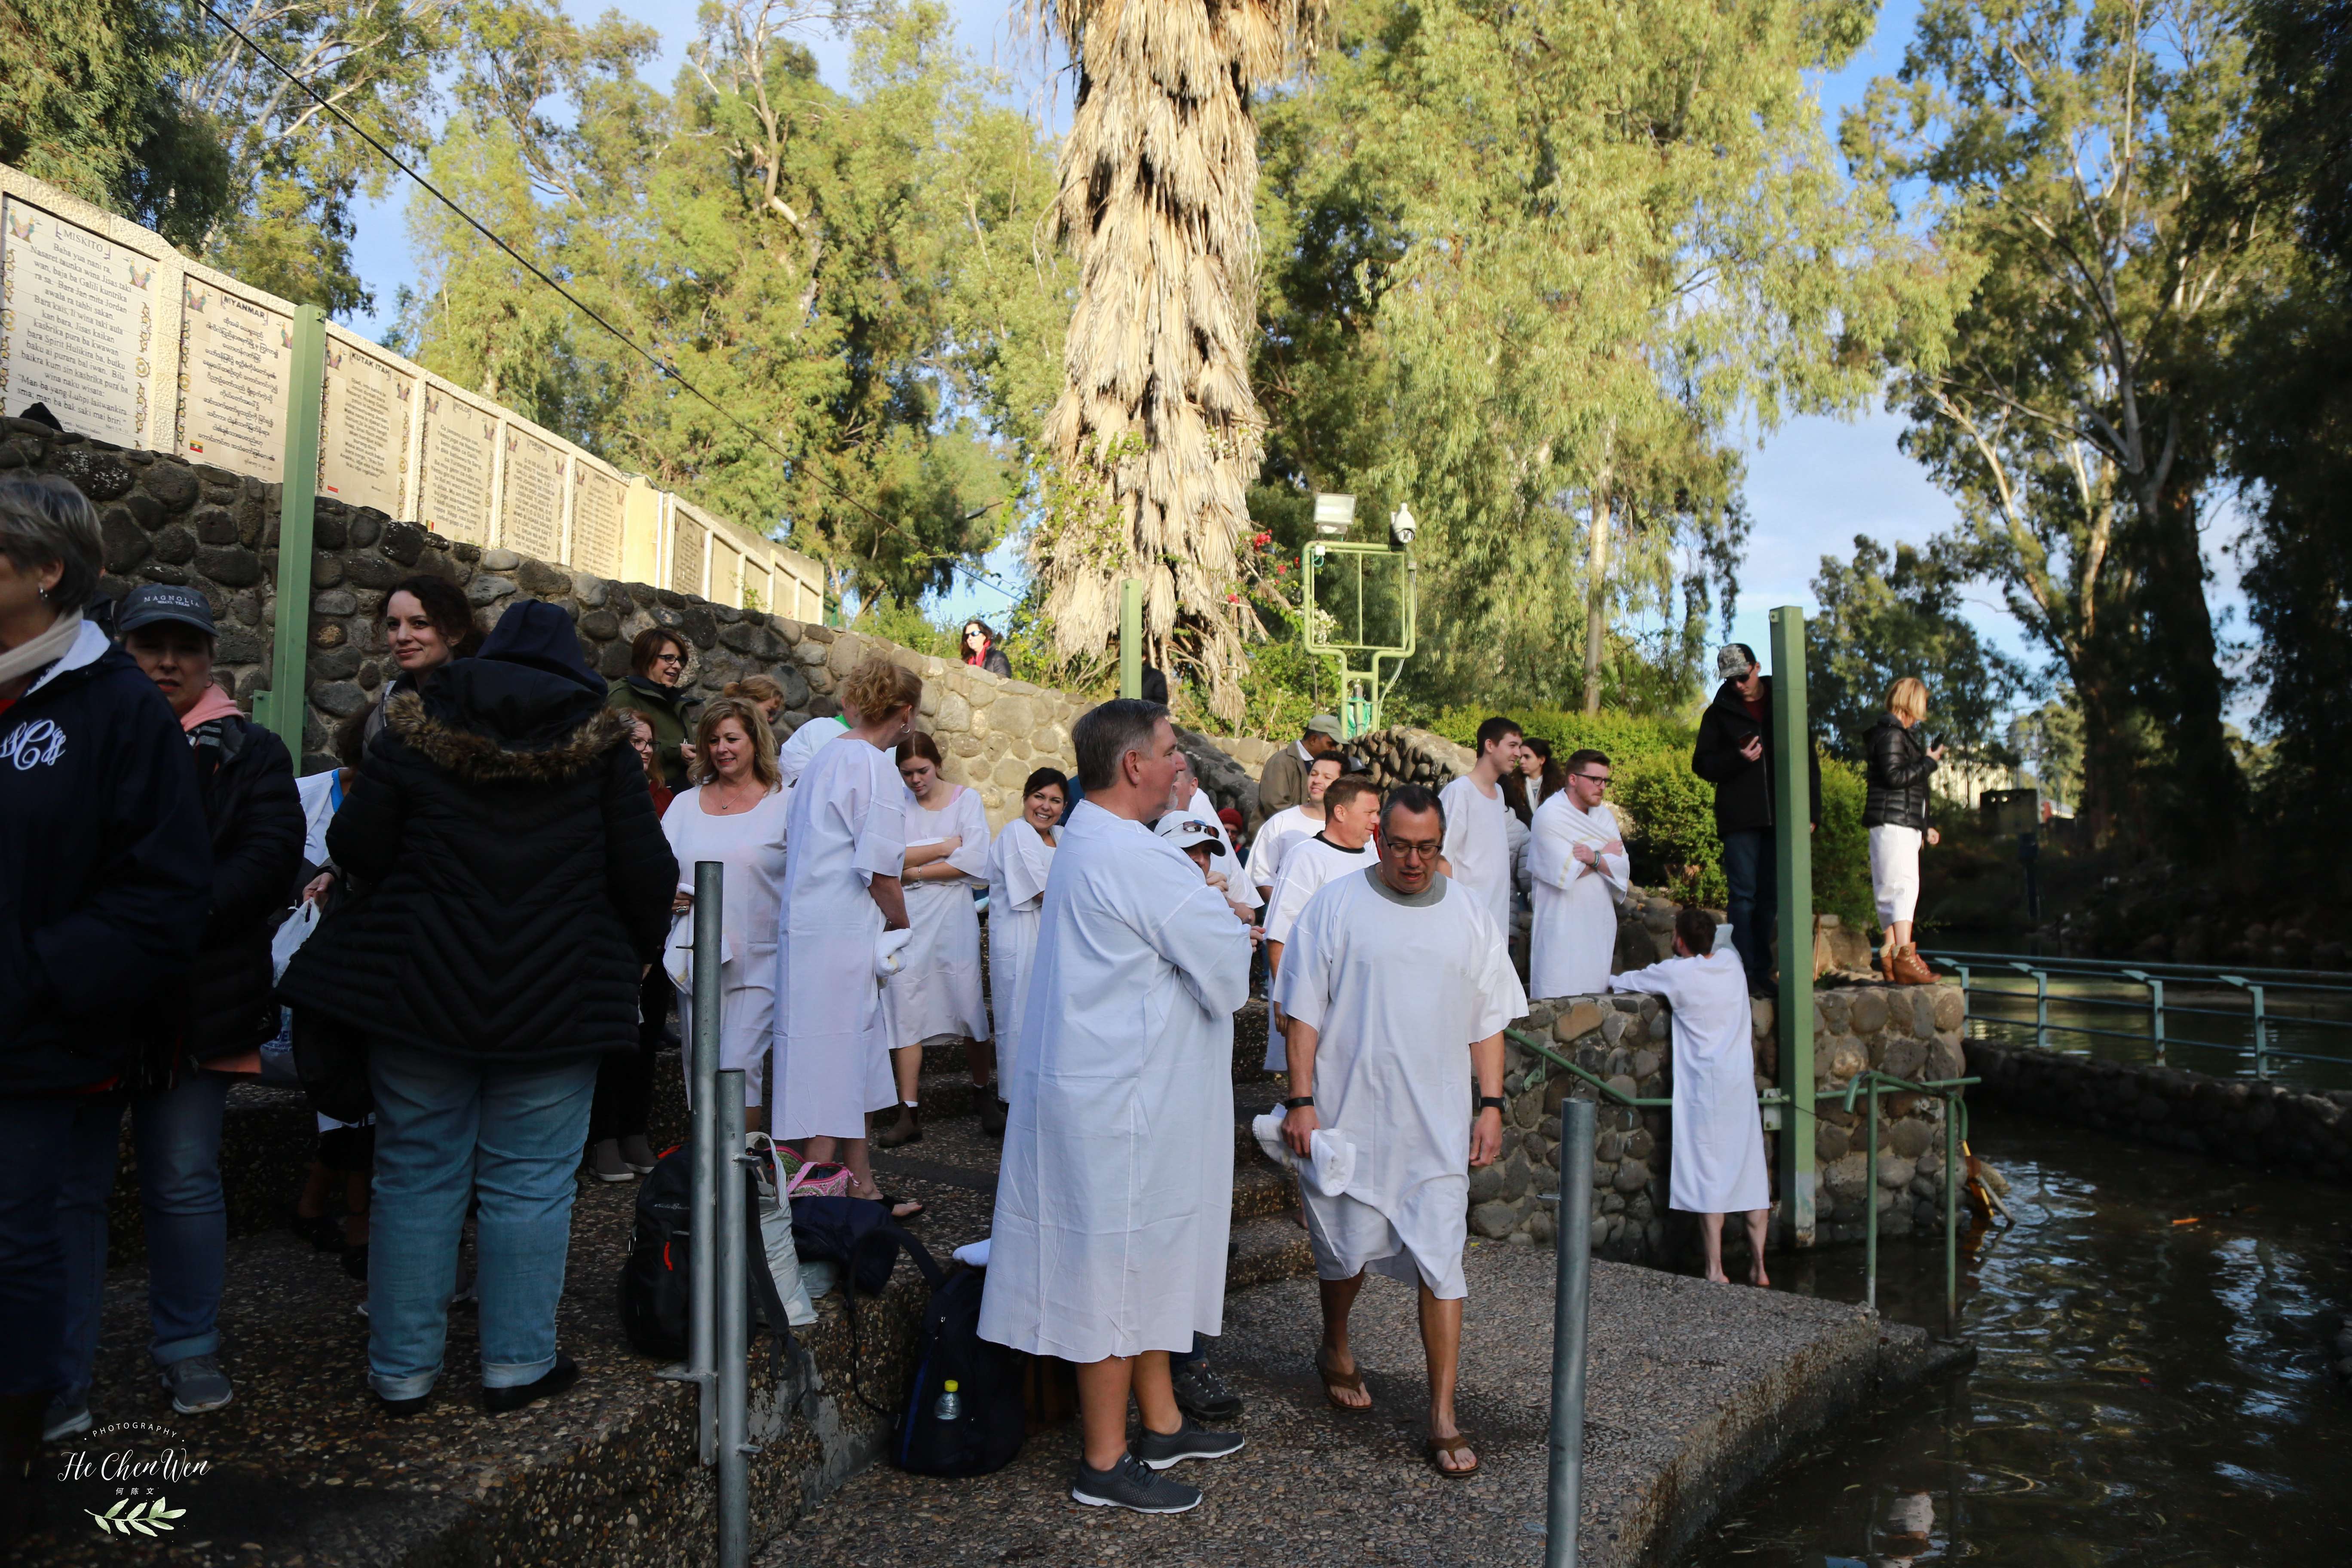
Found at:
[1812, 484]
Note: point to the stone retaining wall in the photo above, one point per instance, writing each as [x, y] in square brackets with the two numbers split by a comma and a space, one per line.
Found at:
[166, 520]
[2265, 1124]
[1909, 1031]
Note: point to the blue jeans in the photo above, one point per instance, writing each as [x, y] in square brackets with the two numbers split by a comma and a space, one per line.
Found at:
[175, 1136]
[448, 1130]
[1751, 867]
[34, 1136]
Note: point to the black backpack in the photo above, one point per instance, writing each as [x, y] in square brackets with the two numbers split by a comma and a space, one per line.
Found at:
[860, 1236]
[657, 1277]
[991, 1415]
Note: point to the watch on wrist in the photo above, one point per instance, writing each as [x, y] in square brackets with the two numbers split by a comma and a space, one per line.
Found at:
[1490, 1103]
[1296, 1100]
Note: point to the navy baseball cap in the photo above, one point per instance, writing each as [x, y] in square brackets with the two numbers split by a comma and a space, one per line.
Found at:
[153, 602]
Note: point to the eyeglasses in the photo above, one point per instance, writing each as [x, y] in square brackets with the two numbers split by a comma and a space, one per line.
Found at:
[1600, 779]
[669, 659]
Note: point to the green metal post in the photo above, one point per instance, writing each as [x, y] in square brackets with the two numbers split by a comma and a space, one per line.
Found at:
[1130, 638]
[1794, 858]
[1952, 1174]
[1870, 1203]
[282, 708]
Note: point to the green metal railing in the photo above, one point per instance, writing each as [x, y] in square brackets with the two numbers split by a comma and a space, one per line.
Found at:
[1868, 1082]
[2262, 988]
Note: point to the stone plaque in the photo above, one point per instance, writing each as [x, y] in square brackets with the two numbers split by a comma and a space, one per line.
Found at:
[460, 443]
[596, 502]
[76, 325]
[726, 576]
[236, 362]
[530, 501]
[363, 444]
[685, 553]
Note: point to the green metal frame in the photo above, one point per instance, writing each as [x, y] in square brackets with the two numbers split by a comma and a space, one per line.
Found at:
[1130, 638]
[1793, 856]
[1360, 714]
[283, 708]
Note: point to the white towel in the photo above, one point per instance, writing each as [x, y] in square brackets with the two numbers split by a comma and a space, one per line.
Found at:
[972, 1253]
[1334, 1165]
[890, 953]
[678, 958]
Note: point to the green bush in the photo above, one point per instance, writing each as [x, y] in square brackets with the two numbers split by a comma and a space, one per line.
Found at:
[1669, 811]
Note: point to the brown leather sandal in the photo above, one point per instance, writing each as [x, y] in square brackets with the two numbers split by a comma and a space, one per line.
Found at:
[1335, 1381]
[1456, 1448]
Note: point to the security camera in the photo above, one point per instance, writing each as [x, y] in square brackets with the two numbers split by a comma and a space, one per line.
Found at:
[1401, 526]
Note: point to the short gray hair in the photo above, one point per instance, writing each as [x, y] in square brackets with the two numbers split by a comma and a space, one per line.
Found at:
[1105, 734]
[43, 519]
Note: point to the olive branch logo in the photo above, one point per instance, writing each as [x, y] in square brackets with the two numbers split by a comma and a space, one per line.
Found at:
[144, 1517]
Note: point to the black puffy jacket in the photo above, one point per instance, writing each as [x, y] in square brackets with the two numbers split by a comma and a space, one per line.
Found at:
[514, 877]
[255, 818]
[1898, 777]
[1743, 790]
[104, 874]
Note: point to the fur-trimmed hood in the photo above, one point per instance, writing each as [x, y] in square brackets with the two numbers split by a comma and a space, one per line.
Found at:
[541, 732]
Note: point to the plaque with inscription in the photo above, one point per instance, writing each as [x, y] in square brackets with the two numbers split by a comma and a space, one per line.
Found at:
[685, 553]
[596, 501]
[363, 444]
[460, 443]
[726, 576]
[236, 359]
[530, 501]
[76, 325]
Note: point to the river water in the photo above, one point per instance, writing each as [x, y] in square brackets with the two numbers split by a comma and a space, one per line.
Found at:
[2152, 1384]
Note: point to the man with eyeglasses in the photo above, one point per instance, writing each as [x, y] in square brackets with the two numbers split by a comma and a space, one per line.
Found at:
[1576, 859]
[1734, 752]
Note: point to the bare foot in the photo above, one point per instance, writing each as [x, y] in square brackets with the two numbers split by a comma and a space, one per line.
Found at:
[1342, 1381]
[1758, 1278]
[1717, 1276]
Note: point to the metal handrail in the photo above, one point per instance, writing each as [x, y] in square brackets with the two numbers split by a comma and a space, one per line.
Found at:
[2329, 979]
[1603, 1085]
[1956, 1115]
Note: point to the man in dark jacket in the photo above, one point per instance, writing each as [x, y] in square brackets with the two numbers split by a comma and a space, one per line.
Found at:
[254, 821]
[516, 885]
[1734, 752]
[104, 879]
[1282, 782]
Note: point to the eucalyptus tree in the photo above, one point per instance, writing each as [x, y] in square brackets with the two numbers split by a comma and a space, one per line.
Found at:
[1156, 434]
[2093, 161]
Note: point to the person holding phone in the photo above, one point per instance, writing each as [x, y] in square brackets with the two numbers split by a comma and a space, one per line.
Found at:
[1896, 811]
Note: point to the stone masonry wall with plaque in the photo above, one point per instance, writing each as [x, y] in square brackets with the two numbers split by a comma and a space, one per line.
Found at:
[235, 365]
[596, 501]
[364, 447]
[77, 320]
[460, 450]
[530, 500]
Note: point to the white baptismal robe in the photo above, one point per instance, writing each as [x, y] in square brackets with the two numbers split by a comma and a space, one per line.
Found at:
[1396, 992]
[1478, 846]
[846, 826]
[1017, 866]
[1575, 933]
[1307, 867]
[939, 994]
[1115, 1193]
[1719, 1138]
[1275, 834]
[1240, 892]
[800, 748]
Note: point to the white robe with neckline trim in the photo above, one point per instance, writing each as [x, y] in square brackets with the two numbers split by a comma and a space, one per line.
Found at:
[1575, 933]
[1018, 865]
[1114, 1196]
[1307, 867]
[1716, 1157]
[1478, 846]
[939, 994]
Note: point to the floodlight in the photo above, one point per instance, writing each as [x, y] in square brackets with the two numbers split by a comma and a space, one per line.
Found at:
[1334, 515]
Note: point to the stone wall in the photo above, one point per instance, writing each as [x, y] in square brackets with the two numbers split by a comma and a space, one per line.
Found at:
[1908, 1031]
[166, 520]
[2265, 1124]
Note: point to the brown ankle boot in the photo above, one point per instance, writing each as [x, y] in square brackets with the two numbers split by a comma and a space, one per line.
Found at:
[1910, 968]
[908, 1128]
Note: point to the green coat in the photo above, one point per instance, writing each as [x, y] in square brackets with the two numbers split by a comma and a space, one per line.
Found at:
[671, 712]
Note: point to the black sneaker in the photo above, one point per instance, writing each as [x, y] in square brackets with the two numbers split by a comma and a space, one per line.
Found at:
[1130, 1484]
[1201, 1393]
[557, 1378]
[1161, 1450]
[991, 1114]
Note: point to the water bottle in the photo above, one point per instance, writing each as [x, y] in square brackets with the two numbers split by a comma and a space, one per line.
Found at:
[949, 1405]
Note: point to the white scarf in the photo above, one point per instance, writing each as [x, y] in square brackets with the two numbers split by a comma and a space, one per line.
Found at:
[47, 648]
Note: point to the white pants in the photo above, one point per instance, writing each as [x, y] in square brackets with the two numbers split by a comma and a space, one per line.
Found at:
[1895, 872]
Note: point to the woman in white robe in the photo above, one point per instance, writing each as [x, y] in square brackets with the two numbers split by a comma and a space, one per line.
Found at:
[846, 844]
[1576, 865]
[1717, 1164]
[1017, 866]
[735, 815]
[937, 999]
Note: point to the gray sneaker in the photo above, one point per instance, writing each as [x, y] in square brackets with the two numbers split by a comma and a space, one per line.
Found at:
[604, 1161]
[637, 1154]
[197, 1384]
[1130, 1484]
[1200, 1392]
[65, 1417]
[1161, 1450]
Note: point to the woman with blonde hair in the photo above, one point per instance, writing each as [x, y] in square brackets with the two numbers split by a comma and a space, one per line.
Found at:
[846, 834]
[733, 814]
[762, 692]
[1896, 811]
[938, 1000]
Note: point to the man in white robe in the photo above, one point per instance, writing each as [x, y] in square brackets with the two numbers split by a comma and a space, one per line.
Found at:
[792, 757]
[1478, 838]
[1285, 827]
[1395, 995]
[1115, 1195]
[1350, 808]
[1717, 1163]
[1576, 860]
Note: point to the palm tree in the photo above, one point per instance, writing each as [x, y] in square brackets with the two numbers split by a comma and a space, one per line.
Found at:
[1156, 432]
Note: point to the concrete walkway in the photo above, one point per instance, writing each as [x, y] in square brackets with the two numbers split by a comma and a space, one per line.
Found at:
[1694, 1390]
